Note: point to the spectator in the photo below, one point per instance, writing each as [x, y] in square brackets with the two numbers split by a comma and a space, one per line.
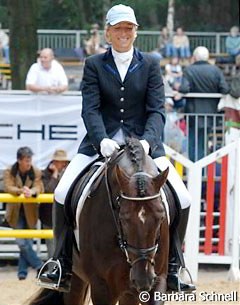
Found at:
[46, 75]
[201, 77]
[181, 47]
[165, 43]
[50, 177]
[173, 71]
[233, 43]
[4, 46]
[93, 44]
[173, 74]
[23, 179]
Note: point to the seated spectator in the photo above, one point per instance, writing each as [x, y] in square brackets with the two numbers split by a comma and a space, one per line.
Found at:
[22, 178]
[173, 74]
[4, 46]
[173, 71]
[233, 42]
[181, 47]
[50, 177]
[46, 75]
[165, 43]
[93, 44]
[174, 135]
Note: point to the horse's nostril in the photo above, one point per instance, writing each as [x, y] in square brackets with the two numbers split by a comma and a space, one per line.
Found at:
[140, 286]
[133, 284]
[153, 281]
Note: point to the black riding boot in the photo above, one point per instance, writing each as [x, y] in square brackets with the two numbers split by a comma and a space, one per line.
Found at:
[59, 277]
[174, 283]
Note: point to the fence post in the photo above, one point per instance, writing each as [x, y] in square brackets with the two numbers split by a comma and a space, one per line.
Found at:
[192, 234]
[234, 272]
[217, 43]
[78, 41]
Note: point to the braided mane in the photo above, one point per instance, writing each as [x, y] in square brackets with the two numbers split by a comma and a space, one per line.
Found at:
[137, 156]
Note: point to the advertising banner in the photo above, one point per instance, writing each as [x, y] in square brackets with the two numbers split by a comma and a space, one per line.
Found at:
[42, 122]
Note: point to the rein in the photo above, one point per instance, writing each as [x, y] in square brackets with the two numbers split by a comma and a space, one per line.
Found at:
[142, 253]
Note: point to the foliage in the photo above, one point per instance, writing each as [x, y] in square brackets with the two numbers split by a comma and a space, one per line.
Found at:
[193, 15]
[23, 38]
[3, 14]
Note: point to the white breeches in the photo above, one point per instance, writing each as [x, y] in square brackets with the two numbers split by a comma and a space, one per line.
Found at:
[175, 181]
[80, 162]
[74, 168]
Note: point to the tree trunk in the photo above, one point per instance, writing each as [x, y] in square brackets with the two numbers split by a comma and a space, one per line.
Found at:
[23, 39]
[170, 17]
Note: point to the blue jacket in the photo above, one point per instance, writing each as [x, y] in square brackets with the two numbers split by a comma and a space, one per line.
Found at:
[136, 105]
[203, 77]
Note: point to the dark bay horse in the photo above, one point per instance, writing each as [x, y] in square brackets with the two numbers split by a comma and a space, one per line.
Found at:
[123, 236]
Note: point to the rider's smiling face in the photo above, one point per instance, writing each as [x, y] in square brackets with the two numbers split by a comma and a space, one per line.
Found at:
[122, 36]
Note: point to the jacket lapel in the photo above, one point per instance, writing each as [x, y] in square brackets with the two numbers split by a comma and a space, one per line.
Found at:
[135, 65]
[110, 66]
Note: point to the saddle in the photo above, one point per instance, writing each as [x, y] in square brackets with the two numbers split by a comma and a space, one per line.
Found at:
[90, 179]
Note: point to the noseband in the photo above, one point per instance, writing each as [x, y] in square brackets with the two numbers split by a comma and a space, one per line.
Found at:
[146, 254]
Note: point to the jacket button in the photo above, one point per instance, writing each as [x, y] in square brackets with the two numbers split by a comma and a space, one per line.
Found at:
[121, 99]
[121, 121]
[122, 88]
[121, 110]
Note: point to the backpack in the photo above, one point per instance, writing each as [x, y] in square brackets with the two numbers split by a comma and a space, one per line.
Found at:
[235, 87]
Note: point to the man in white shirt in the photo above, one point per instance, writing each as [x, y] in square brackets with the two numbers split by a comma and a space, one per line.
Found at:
[47, 75]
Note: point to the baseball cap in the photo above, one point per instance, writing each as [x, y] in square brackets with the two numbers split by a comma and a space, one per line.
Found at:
[119, 13]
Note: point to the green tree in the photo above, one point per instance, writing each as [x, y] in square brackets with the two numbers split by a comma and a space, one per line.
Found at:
[23, 38]
[170, 17]
[193, 15]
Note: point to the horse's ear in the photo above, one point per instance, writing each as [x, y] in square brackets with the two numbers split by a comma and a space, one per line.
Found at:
[122, 176]
[160, 179]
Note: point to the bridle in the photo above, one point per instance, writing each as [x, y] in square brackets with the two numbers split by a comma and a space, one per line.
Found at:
[145, 198]
[146, 254]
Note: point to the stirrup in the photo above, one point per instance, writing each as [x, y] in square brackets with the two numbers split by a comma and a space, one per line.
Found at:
[53, 286]
[181, 270]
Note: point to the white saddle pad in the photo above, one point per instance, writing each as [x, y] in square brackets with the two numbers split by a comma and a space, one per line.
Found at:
[84, 196]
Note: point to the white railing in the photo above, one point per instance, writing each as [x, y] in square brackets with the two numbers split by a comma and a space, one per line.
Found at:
[146, 40]
[192, 240]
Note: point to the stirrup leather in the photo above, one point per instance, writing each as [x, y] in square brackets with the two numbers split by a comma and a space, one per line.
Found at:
[53, 286]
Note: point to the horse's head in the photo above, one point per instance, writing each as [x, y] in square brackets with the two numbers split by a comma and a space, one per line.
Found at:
[141, 212]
